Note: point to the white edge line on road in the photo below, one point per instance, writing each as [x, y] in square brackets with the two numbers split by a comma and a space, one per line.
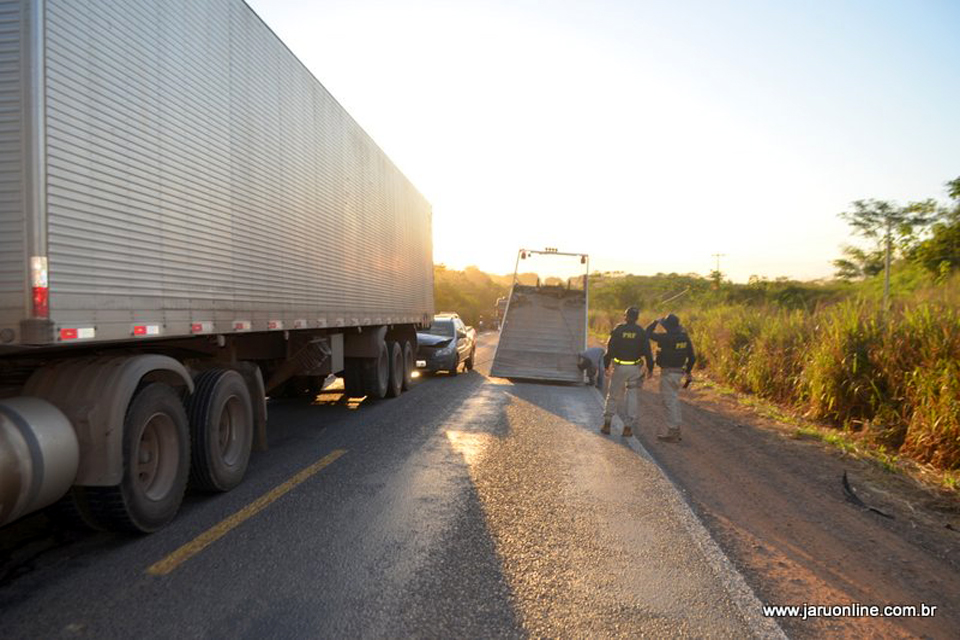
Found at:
[746, 601]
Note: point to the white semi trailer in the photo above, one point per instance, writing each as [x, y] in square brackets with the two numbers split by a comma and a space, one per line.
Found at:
[188, 222]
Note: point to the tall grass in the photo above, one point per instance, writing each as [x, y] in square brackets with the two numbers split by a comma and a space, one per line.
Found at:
[892, 376]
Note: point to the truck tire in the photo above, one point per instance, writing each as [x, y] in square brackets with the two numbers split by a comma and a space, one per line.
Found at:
[468, 363]
[156, 463]
[353, 378]
[409, 364]
[221, 430]
[395, 385]
[376, 374]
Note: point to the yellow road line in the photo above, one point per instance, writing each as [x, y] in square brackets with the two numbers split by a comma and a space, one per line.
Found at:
[217, 531]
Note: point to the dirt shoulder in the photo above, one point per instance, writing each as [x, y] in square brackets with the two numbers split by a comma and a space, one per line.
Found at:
[777, 506]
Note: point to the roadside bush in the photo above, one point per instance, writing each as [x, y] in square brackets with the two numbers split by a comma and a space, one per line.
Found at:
[929, 340]
[893, 377]
[775, 366]
[725, 338]
[841, 382]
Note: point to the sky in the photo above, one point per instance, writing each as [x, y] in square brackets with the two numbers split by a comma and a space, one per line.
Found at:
[650, 135]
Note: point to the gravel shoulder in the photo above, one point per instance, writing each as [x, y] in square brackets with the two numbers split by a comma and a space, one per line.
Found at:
[776, 505]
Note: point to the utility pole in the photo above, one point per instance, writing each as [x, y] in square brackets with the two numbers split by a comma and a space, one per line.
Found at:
[718, 276]
[886, 265]
[718, 256]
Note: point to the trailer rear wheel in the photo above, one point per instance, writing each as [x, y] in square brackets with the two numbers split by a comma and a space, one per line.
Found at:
[353, 378]
[409, 364]
[376, 373]
[156, 463]
[395, 385]
[221, 429]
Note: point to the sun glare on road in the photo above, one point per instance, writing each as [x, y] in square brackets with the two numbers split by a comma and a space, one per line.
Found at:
[470, 445]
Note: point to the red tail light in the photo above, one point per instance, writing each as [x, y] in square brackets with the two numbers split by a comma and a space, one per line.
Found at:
[41, 289]
[41, 302]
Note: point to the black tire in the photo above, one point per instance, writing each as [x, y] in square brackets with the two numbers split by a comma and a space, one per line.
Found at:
[156, 463]
[409, 364]
[468, 363]
[353, 378]
[376, 374]
[395, 383]
[456, 365]
[221, 430]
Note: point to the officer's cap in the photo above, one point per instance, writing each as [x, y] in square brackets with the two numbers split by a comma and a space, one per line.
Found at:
[671, 321]
[632, 313]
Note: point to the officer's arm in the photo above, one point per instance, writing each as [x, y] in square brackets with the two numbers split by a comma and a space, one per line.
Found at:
[606, 356]
[691, 357]
[652, 327]
[648, 356]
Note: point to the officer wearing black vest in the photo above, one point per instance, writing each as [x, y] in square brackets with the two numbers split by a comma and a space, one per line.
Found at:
[675, 357]
[627, 348]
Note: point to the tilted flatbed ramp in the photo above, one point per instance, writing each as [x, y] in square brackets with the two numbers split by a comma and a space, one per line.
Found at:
[543, 330]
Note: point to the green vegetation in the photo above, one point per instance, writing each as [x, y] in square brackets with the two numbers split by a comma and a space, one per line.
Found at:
[885, 377]
[888, 378]
[470, 293]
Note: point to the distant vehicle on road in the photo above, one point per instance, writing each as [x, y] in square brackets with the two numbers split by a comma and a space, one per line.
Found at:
[446, 345]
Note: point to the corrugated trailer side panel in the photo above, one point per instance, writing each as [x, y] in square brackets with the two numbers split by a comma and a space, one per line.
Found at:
[197, 171]
[13, 258]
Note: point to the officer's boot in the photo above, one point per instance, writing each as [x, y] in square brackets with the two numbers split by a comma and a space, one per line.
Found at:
[627, 432]
[606, 426]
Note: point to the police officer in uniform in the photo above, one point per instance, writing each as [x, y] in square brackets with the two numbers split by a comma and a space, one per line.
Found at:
[627, 348]
[675, 358]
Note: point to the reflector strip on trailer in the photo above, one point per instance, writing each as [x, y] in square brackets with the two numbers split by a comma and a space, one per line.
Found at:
[201, 327]
[300, 324]
[146, 330]
[275, 325]
[242, 325]
[81, 333]
[39, 283]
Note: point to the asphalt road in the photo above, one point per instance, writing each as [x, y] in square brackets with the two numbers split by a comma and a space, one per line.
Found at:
[468, 507]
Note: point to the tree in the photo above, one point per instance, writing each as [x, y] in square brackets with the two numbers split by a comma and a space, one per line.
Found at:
[716, 276]
[887, 223]
[858, 263]
[940, 253]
